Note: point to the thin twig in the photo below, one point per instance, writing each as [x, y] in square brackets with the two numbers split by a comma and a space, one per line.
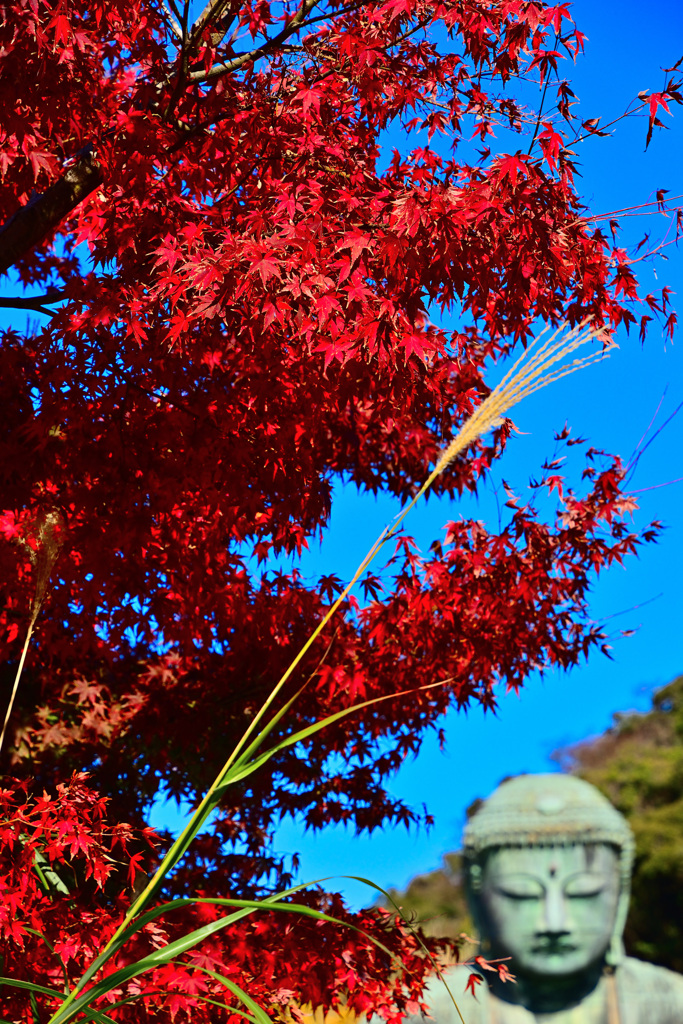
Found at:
[634, 607]
[655, 487]
[540, 109]
[634, 462]
[652, 252]
[627, 113]
[648, 428]
[627, 209]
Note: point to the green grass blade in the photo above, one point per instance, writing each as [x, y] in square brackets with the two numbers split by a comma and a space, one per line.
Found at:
[181, 845]
[279, 715]
[246, 907]
[78, 1003]
[390, 898]
[31, 986]
[240, 771]
[156, 959]
[98, 1015]
[234, 774]
[259, 1013]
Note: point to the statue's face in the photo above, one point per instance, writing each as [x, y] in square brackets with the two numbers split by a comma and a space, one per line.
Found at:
[550, 908]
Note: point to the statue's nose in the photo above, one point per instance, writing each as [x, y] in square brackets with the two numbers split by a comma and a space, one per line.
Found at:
[555, 919]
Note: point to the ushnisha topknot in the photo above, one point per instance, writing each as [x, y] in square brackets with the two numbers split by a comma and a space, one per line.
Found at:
[544, 810]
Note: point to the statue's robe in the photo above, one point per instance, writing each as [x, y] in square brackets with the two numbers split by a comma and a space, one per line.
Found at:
[640, 994]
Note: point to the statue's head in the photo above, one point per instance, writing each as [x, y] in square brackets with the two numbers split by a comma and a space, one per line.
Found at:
[548, 868]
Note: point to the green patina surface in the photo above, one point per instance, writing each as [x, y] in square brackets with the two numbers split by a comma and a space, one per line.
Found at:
[547, 863]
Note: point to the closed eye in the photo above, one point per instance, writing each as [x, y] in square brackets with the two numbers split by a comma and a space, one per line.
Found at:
[520, 887]
[585, 886]
[510, 895]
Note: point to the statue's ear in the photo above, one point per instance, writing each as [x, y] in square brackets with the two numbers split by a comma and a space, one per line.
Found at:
[473, 878]
[473, 884]
[615, 951]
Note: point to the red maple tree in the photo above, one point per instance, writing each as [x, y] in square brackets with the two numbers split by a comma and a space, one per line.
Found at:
[239, 287]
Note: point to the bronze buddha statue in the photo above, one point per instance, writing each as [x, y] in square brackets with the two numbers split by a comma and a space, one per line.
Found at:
[548, 867]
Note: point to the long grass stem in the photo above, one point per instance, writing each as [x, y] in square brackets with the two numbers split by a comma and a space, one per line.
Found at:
[542, 363]
[8, 714]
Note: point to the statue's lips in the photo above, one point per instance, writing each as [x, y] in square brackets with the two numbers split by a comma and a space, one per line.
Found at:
[553, 948]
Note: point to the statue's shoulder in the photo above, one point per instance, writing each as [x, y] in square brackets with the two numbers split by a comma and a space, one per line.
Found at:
[657, 992]
[649, 977]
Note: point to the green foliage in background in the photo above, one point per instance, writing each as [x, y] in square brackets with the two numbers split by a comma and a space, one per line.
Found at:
[638, 765]
[436, 900]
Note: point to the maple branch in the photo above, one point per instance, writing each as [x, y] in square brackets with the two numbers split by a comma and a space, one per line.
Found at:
[175, 24]
[36, 302]
[183, 58]
[171, 12]
[44, 212]
[213, 11]
[241, 59]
